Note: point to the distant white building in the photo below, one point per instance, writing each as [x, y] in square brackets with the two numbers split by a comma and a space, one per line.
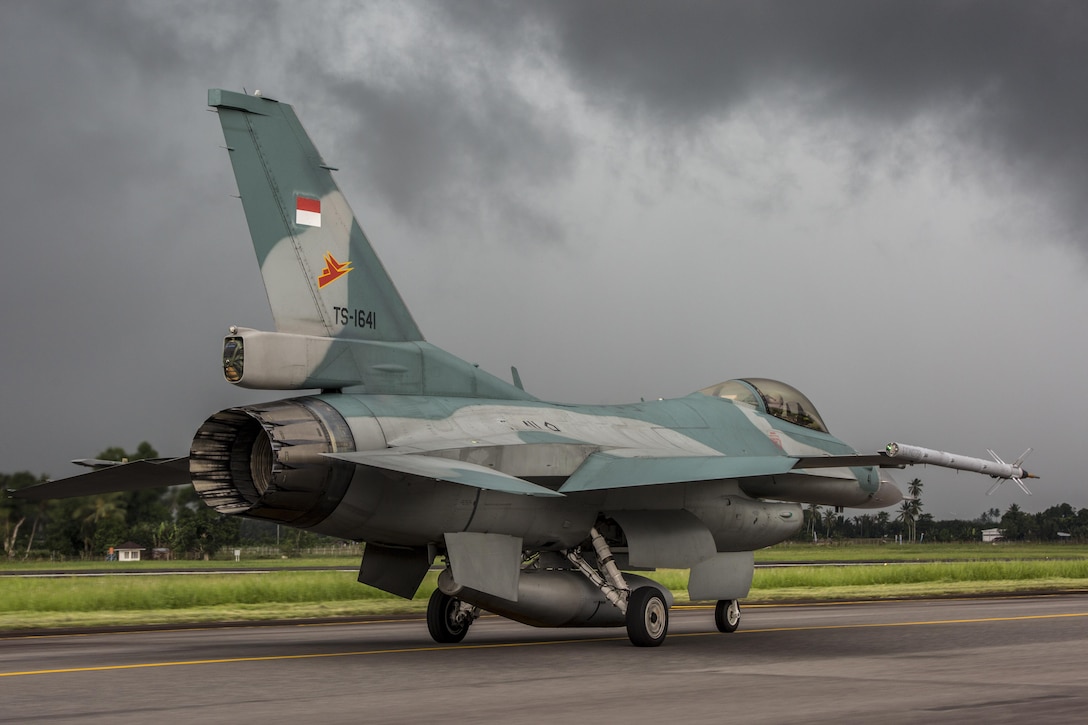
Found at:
[129, 551]
[989, 536]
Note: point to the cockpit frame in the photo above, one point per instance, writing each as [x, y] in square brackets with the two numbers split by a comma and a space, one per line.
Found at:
[772, 397]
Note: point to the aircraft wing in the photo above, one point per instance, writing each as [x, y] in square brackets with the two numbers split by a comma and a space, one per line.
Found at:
[599, 470]
[445, 469]
[132, 476]
[606, 470]
[632, 467]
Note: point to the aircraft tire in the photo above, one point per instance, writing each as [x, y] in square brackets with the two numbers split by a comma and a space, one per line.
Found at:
[647, 617]
[727, 615]
[440, 623]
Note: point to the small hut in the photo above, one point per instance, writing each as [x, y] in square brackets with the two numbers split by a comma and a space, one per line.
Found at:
[128, 551]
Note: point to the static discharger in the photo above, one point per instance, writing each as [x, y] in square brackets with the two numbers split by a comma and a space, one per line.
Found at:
[996, 468]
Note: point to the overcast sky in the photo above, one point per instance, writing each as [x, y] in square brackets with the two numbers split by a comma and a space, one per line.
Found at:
[882, 203]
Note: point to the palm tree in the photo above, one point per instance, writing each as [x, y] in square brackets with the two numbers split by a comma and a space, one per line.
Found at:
[94, 512]
[881, 523]
[830, 514]
[812, 513]
[914, 491]
[907, 516]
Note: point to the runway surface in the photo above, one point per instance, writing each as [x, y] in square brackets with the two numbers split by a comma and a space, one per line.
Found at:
[1009, 660]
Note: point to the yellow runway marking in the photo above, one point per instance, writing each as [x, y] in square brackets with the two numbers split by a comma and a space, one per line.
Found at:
[864, 625]
[199, 628]
[309, 656]
[500, 645]
[851, 602]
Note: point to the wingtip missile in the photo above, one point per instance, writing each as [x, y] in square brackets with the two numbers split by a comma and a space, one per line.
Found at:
[996, 468]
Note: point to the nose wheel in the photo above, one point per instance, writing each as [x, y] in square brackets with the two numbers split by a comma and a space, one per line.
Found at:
[727, 615]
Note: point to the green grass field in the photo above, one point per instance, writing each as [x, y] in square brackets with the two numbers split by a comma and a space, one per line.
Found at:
[33, 603]
[848, 551]
[787, 552]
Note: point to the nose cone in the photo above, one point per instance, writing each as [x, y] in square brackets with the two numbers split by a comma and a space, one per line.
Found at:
[888, 494]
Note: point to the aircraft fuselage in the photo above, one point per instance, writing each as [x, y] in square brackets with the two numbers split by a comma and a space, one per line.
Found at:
[318, 462]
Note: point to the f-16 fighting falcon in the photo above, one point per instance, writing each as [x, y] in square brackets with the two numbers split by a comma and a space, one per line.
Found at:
[537, 511]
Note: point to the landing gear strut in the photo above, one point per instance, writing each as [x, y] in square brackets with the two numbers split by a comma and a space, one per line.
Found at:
[727, 615]
[645, 609]
[448, 619]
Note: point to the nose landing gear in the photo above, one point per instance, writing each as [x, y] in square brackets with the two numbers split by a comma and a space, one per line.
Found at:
[727, 615]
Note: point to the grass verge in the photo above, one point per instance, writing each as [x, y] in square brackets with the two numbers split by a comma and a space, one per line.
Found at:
[40, 603]
[847, 550]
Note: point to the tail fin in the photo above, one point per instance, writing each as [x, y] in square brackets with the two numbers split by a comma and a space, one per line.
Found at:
[320, 272]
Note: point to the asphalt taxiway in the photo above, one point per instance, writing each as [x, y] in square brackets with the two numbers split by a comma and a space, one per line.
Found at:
[999, 660]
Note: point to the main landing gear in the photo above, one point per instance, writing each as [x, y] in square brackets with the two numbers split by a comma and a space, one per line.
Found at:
[645, 609]
[727, 615]
[448, 619]
[557, 593]
[647, 617]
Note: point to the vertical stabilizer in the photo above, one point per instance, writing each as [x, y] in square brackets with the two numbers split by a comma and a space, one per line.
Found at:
[320, 272]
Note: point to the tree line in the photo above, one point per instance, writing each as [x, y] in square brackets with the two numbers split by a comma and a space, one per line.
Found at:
[911, 524]
[172, 520]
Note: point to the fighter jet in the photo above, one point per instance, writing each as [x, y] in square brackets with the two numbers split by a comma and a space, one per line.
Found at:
[537, 511]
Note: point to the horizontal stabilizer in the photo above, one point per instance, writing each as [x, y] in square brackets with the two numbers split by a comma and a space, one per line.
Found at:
[134, 476]
[445, 469]
[97, 463]
[605, 470]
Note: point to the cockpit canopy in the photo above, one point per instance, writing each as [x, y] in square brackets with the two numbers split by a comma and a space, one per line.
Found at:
[772, 397]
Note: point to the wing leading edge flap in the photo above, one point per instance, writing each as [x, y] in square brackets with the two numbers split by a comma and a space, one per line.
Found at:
[445, 469]
[606, 470]
[849, 460]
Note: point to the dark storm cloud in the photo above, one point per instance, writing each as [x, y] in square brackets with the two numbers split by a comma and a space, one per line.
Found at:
[442, 153]
[1004, 79]
[447, 133]
[459, 136]
[448, 136]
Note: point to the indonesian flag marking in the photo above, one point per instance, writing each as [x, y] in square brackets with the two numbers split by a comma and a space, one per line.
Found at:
[307, 211]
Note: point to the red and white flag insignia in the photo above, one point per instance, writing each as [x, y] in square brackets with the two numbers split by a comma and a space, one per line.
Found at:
[307, 211]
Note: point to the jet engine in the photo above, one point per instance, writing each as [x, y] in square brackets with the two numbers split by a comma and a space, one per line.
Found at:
[265, 461]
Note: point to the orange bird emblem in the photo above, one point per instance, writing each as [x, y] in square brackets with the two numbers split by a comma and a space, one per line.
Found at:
[333, 270]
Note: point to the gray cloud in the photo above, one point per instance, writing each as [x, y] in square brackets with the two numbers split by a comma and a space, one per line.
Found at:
[444, 150]
[1002, 78]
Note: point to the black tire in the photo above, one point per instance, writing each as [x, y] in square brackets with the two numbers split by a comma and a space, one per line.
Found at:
[727, 615]
[647, 617]
[440, 622]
